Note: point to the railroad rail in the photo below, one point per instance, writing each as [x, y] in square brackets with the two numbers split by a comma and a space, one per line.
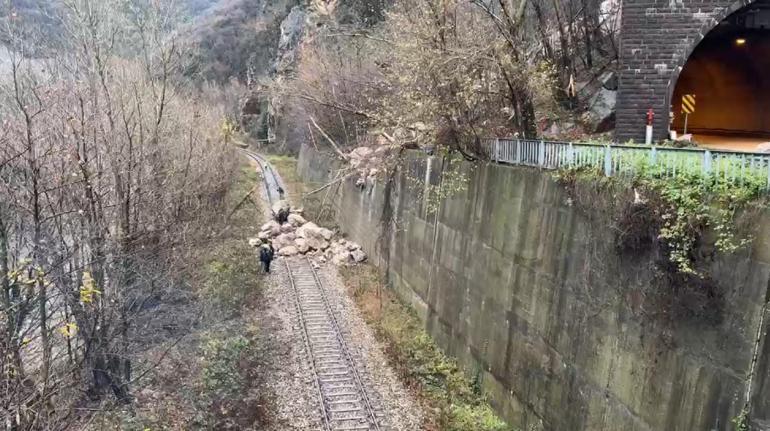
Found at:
[273, 183]
[346, 402]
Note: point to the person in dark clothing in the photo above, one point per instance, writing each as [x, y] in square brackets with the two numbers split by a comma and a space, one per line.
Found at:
[266, 253]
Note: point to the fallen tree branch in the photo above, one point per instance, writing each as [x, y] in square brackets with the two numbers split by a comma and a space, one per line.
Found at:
[326, 186]
[334, 105]
[312, 137]
[331, 141]
[242, 201]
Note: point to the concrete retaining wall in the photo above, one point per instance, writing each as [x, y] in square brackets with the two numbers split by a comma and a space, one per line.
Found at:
[565, 333]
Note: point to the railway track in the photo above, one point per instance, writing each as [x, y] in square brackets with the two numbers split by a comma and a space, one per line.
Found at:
[345, 400]
[273, 183]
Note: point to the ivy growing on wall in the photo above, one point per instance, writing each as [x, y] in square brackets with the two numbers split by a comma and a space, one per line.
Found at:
[685, 211]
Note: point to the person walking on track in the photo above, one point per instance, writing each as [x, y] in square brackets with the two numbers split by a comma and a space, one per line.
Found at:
[266, 253]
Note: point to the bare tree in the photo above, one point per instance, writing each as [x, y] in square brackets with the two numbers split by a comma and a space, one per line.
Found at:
[109, 171]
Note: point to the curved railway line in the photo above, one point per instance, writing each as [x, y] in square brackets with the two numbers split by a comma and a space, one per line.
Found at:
[347, 402]
[273, 184]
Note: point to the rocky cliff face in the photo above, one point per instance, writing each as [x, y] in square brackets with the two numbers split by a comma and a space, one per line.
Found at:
[292, 29]
[285, 30]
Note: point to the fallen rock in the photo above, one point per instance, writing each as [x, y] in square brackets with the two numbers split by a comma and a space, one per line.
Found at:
[341, 259]
[283, 240]
[296, 220]
[602, 106]
[302, 245]
[286, 228]
[309, 230]
[288, 251]
[609, 81]
[317, 243]
[326, 233]
[269, 226]
[351, 246]
[281, 211]
[358, 256]
[255, 242]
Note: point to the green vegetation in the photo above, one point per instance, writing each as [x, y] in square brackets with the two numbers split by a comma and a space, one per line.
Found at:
[741, 422]
[227, 379]
[453, 400]
[688, 208]
[452, 181]
[207, 378]
[231, 270]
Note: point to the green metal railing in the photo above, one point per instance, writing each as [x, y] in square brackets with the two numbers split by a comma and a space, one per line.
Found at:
[629, 159]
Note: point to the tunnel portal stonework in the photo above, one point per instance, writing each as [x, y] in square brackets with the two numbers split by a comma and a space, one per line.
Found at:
[657, 38]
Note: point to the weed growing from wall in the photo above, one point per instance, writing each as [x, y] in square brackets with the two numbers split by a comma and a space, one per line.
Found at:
[741, 421]
[434, 187]
[685, 212]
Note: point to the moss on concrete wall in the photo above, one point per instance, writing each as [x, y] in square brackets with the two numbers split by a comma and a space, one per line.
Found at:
[564, 332]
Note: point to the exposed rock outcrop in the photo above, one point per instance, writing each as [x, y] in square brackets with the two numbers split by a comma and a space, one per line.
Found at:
[291, 33]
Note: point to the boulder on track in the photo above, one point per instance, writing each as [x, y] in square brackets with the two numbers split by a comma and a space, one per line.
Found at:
[281, 211]
[326, 233]
[288, 251]
[296, 220]
[269, 226]
[358, 256]
[283, 240]
[309, 230]
[341, 259]
[302, 245]
[317, 243]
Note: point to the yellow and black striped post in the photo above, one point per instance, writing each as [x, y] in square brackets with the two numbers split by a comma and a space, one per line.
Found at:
[688, 107]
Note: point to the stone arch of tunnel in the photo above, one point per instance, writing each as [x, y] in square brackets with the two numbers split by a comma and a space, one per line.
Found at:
[658, 38]
[728, 72]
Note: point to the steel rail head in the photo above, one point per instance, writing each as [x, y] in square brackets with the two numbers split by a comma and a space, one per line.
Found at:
[370, 410]
[308, 347]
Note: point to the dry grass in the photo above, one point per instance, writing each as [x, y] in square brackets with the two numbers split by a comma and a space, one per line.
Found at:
[451, 399]
[205, 376]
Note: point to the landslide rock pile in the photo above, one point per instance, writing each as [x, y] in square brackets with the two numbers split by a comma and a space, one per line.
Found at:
[294, 235]
[368, 162]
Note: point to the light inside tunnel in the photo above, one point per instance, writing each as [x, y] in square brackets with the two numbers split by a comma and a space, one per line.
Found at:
[728, 75]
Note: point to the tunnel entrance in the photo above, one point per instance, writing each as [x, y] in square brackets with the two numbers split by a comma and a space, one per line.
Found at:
[729, 75]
